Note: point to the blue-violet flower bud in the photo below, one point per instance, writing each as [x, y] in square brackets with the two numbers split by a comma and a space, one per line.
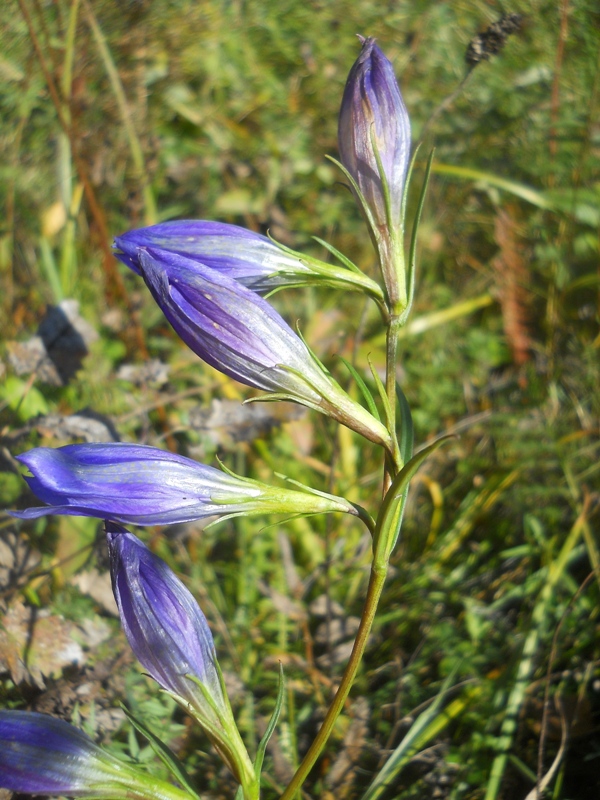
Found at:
[163, 623]
[143, 485]
[374, 144]
[248, 257]
[240, 334]
[40, 754]
[170, 637]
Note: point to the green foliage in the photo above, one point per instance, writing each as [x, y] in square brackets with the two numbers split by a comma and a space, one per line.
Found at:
[234, 107]
[25, 401]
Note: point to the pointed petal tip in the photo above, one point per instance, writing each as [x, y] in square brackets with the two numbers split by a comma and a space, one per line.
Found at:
[32, 513]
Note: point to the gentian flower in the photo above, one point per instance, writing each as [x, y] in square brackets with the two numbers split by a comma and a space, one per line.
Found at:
[374, 144]
[239, 333]
[170, 637]
[143, 485]
[40, 754]
[163, 623]
[246, 256]
[243, 255]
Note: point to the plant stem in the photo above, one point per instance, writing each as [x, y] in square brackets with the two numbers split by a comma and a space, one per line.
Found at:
[391, 357]
[135, 147]
[379, 567]
[376, 581]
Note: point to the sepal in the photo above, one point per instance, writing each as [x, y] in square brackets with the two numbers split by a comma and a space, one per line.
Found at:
[166, 755]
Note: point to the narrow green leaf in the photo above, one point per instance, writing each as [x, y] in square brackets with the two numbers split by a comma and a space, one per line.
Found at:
[363, 389]
[407, 184]
[541, 620]
[166, 755]
[383, 396]
[135, 146]
[361, 199]
[518, 189]
[340, 256]
[407, 433]
[387, 532]
[427, 725]
[412, 253]
[312, 353]
[262, 747]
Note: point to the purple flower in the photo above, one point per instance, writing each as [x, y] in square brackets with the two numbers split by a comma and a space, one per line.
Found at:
[239, 333]
[170, 637]
[146, 486]
[374, 144]
[40, 754]
[163, 623]
[228, 326]
[247, 257]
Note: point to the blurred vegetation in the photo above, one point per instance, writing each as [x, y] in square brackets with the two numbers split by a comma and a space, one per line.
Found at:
[114, 115]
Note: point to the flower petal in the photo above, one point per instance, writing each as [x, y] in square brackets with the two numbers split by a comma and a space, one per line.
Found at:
[146, 486]
[374, 144]
[237, 332]
[230, 327]
[247, 257]
[129, 483]
[372, 105]
[165, 627]
[40, 754]
[171, 638]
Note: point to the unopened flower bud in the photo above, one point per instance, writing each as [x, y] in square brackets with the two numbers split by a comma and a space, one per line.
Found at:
[374, 144]
[248, 257]
[239, 333]
[143, 485]
[40, 754]
[170, 637]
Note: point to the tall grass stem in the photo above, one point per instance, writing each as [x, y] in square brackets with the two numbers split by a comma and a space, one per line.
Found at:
[135, 147]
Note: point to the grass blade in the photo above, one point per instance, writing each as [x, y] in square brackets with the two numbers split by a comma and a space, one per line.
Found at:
[426, 727]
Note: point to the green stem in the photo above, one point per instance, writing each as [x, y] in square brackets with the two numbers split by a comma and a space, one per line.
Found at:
[365, 517]
[252, 790]
[391, 358]
[376, 581]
